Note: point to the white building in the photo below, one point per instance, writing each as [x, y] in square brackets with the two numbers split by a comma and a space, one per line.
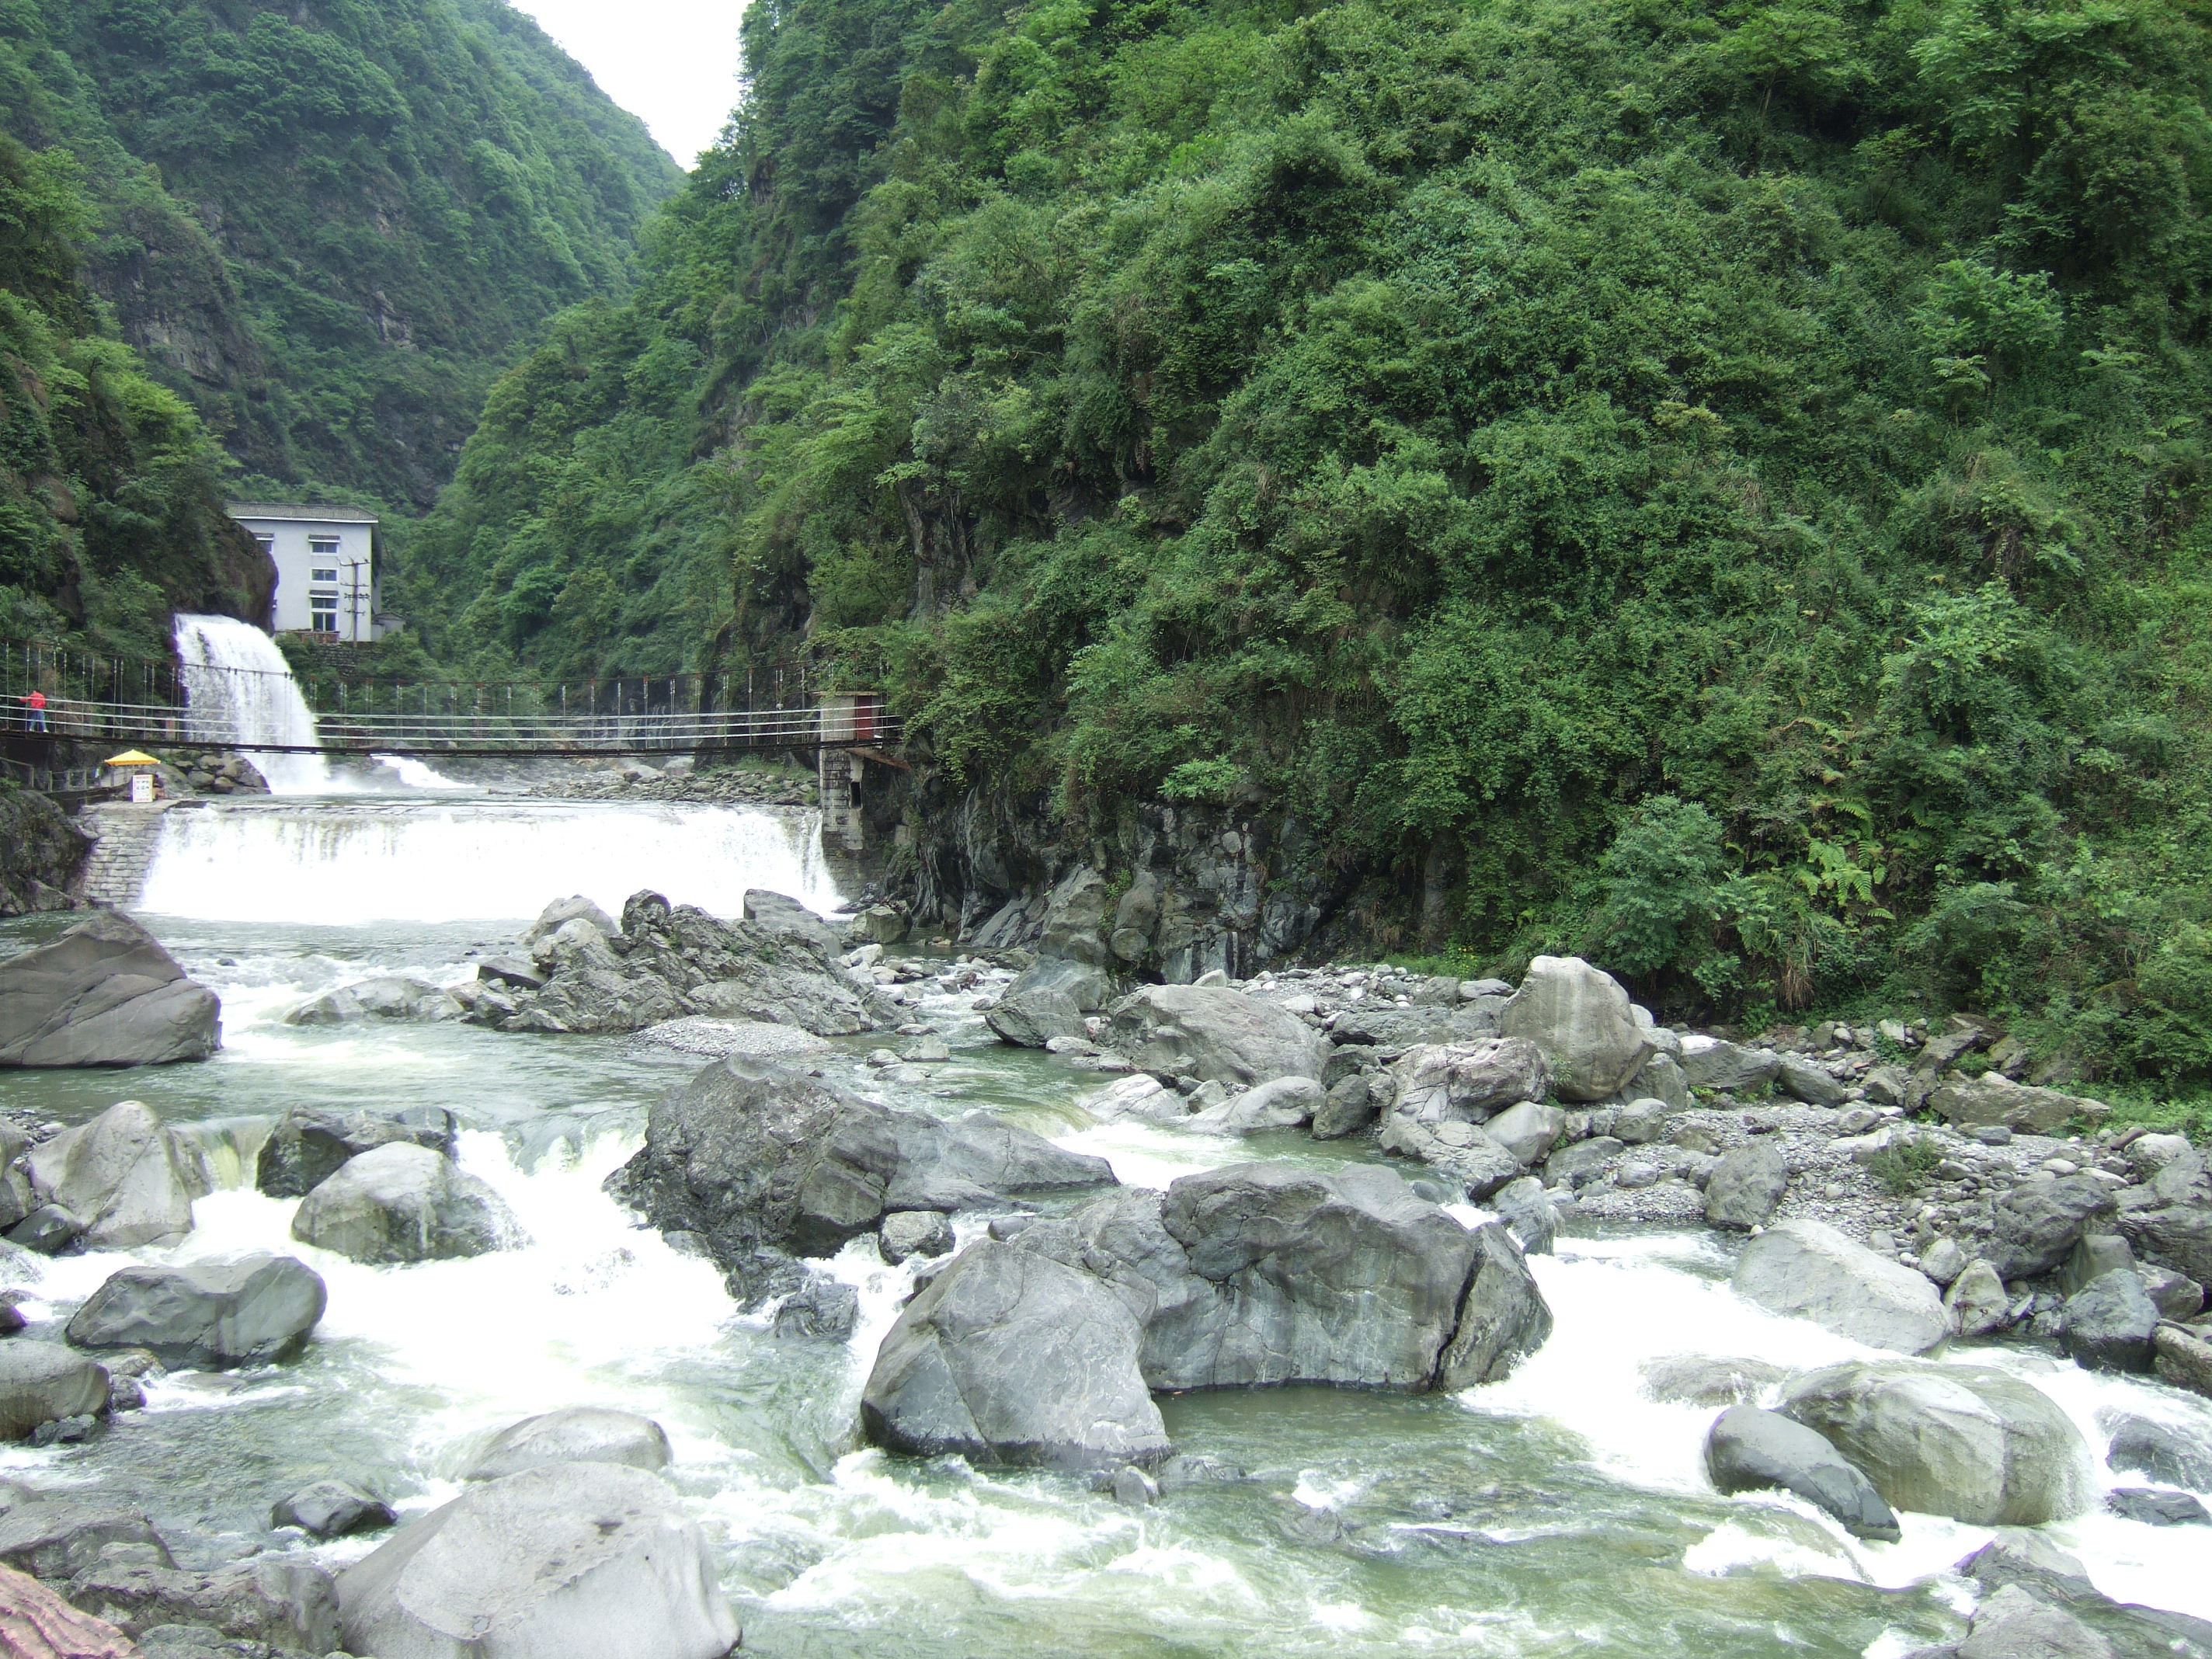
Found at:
[326, 561]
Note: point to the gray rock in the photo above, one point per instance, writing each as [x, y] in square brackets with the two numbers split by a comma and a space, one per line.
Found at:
[126, 1178]
[1639, 1122]
[2177, 1296]
[2183, 1358]
[585, 1558]
[1527, 1213]
[400, 1203]
[820, 1308]
[1283, 1103]
[1133, 1488]
[2014, 1625]
[58, 1538]
[1751, 1450]
[1747, 1186]
[914, 1232]
[776, 913]
[1581, 1162]
[1662, 1079]
[2038, 1222]
[1215, 1035]
[1710, 1062]
[1635, 1174]
[1350, 1107]
[519, 972]
[330, 1509]
[2179, 1455]
[42, 1382]
[2110, 1323]
[1994, 1099]
[1975, 1444]
[576, 908]
[286, 1601]
[1011, 1357]
[765, 1163]
[1579, 1018]
[1807, 1270]
[205, 1316]
[104, 993]
[1805, 1080]
[1045, 1002]
[385, 996]
[2157, 1509]
[1695, 1379]
[574, 1434]
[1943, 1261]
[2174, 1228]
[309, 1143]
[49, 1230]
[1468, 1082]
[2149, 1155]
[1503, 1319]
[1978, 1301]
[1528, 1130]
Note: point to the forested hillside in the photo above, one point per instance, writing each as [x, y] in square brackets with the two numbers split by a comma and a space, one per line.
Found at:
[1719, 485]
[331, 225]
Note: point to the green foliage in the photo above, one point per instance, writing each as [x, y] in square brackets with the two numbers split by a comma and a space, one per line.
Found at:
[330, 228]
[1905, 1166]
[1732, 472]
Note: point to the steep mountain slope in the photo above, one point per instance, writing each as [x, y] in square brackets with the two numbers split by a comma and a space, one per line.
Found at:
[330, 225]
[1715, 484]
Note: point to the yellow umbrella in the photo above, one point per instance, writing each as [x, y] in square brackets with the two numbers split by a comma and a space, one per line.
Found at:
[131, 757]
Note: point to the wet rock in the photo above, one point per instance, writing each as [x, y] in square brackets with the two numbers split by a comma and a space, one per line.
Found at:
[286, 1601]
[1528, 1130]
[1978, 1301]
[2156, 1509]
[1975, 1444]
[1011, 1357]
[2039, 1221]
[385, 996]
[41, 1382]
[103, 994]
[1751, 1450]
[1133, 1488]
[1993, 1099]
[1807, 1270]
[766, 1164]
[1185, 1473]
[2014, 1625]
[125, 1177]
[1349, 1107]
[1715, 1064]
[574, 1434]
[1746, 1187]
[401, 1203]
[1695, 1379]
[1215, 1035]
[1503, 1319]
[1579, 1018]
[205, 1316]
[1527, 1213]
[56, 1538]
[49, 1230]
[2178, 1455]
[331, 1508]
[2110, 1323]
[309, 1143]
[2183, 1358]
[820, 1308]
[1045, 1002]
[914, 1232]
[550, 1564]
[37, 1624]
[1283, 1103]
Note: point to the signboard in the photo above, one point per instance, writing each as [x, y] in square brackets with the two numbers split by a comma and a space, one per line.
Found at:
[141, 789]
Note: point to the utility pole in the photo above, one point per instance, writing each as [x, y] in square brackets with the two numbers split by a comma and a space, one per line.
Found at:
[353, 583]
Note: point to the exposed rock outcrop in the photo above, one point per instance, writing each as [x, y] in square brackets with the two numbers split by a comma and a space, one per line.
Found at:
[1751, 1450]
[42, 852]
[104, 993]
[1581, 1019]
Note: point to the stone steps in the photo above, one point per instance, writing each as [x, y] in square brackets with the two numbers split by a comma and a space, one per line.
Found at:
[115, 870]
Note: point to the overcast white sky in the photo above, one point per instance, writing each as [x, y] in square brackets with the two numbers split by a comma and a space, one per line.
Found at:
[671, 63]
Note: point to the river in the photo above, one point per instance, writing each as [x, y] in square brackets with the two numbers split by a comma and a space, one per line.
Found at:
[1557, 1511]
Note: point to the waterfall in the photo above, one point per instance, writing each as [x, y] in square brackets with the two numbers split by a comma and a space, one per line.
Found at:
[238, 693]
[350, 861]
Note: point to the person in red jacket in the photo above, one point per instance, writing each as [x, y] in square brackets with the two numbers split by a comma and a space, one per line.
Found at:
[37, 704]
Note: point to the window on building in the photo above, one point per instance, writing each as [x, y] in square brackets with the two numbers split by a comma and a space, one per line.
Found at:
[323, 609]
[322, 547]
[323, 574]
[266, 543]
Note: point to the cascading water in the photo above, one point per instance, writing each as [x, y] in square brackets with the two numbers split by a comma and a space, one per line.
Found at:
[239, 694]
[349, 862]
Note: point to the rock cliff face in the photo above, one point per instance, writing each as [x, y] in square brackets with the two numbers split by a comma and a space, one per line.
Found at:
[40, 854]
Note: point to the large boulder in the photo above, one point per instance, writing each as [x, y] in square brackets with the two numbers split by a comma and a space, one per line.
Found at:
[1502, 1318]
[1583, 1022]
[1008, 1357]
[766, 1163]
[1747, 1185]
[1965, 1441]
[104, 993]
[2111, 1322]
[1751, 1450]
[585, 1558]
[37, 1624]
[1993, 1099]
[2038, 1223]
[2016, 1623]
[206, 1316]
[1807, 1270]
[1529, 1131]
[574, 1434]
[58, 1538]
[125, 1176]
[286, 1601]
[40, 1382]
[2178, 1454]
[1046, 1000]
[1446, 1096]
[1215, 1035]
[560, 911]
[1283, 1103]
[401, 1202]
[310, 1143]
[384, 996]
[778, 912]
[2174, 1228]
[1711, 1062]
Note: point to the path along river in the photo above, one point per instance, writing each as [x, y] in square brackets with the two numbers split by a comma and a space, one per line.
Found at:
[1558, 1511]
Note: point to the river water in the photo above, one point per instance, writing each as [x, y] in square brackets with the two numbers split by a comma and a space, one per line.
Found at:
[1556, 1511]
